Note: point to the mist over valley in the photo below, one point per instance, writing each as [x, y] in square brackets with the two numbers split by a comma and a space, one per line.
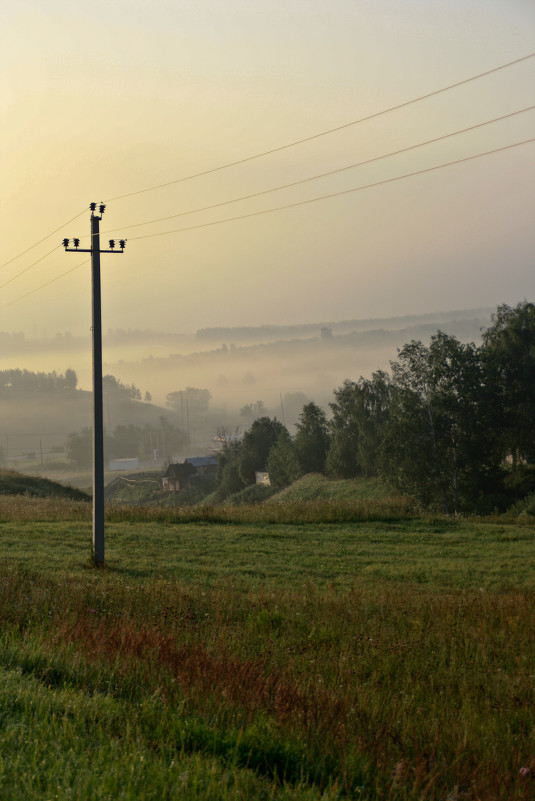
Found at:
[244, 372]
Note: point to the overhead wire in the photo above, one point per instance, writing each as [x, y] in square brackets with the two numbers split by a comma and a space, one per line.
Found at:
[42, 286]
[335, 194]
[311, 138]
[29, 267]
[321, 175]
[302, 181]
[278, 208]
[5, 264]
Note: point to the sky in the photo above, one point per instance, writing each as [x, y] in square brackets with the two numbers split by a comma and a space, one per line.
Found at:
[104, 101]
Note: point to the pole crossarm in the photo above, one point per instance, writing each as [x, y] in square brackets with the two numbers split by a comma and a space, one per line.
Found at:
[98, 417]
[89, 250]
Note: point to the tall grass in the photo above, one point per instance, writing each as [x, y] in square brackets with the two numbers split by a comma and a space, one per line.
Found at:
[258, 660]
[380, 692]
[50, 509]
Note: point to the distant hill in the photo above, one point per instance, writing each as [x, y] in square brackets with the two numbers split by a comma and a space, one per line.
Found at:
[271, 333]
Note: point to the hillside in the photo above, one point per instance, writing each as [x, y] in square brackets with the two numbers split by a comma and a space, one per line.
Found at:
[14, 483]
[315, 487]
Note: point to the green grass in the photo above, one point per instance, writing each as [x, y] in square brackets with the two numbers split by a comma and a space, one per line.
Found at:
[316, 487]
[244, 658]
[15, 483]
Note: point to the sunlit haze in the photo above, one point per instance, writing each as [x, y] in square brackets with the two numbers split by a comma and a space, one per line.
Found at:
[102, 99]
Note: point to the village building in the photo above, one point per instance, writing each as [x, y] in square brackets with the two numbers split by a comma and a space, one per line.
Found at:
[182, 475]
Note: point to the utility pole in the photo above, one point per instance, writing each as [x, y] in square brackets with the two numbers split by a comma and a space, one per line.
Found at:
[98, 417]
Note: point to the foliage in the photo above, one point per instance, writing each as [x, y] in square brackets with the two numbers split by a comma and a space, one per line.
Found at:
[189, 401]
[228, 479]
[252, 411]
[444, 423]
[312, 439]
[113, 386]
[25, 381]
[509, 352]
[440, 440]
[255, 447]
[128, 441]
[360, 413]
[283, 461]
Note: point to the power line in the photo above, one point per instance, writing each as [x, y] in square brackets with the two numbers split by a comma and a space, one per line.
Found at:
[326, 133]
[324, 174]
[29, 268]
[337, 194]
[42, 286]
[288, 206]
[41, 240]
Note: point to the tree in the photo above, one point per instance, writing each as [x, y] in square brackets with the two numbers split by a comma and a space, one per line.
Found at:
[255, 447]
[228, 479]
[253, 410]
[360, 412]
[114, 387]
[191, 400]
[71, 380]
[312, 439]
[439, 444]
[126, 442]
[509, 358]
[282, 462]
[80, 448]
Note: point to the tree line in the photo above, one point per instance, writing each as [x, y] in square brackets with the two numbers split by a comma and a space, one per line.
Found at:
[451, 424]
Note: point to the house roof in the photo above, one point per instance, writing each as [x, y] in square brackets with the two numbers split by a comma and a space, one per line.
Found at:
[179, 471]
[201, 461]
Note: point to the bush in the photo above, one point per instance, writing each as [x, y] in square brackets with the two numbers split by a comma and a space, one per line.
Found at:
[524, 507]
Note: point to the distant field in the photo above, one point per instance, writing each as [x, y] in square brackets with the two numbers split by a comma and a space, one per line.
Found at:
[253, 659]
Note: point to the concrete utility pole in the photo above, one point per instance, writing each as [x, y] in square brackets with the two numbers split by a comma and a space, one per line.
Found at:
[98, 417]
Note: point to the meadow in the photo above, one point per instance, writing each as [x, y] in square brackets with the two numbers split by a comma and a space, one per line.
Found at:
[305, 652]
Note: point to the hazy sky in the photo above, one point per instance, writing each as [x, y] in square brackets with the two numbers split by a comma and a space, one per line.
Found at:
[104, 99]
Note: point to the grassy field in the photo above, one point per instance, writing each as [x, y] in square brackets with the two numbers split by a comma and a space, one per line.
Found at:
[250, 657]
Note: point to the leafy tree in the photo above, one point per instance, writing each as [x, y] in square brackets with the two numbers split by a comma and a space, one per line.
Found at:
[282, 462]
[292, 405]
[312, 439]
[113, 386]
[438, 442]
[172, 439]
[228, 479]
[253, 410]
[255, 447]
[509, 355]
[71, 380]
[360, 412]
[196, 401]
[127, 441]
[80, 448]
[26, 381]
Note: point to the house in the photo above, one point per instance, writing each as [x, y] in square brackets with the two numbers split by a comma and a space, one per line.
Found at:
[182, 475]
